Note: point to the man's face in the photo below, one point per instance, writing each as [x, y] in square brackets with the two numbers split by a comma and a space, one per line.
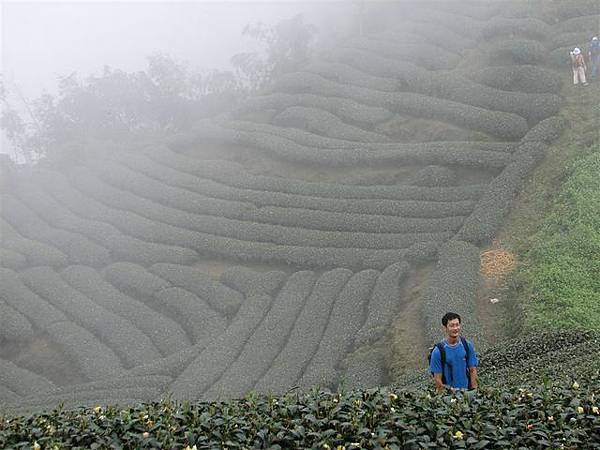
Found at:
[453, 328]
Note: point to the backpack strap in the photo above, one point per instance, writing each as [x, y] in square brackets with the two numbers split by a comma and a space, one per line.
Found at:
[442, 350]
[467, 357]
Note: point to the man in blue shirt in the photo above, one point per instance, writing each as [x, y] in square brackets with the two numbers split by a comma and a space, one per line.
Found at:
[459, 368]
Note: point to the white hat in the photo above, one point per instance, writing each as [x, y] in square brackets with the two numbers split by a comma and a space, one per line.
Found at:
[576, 51]
[595, 38]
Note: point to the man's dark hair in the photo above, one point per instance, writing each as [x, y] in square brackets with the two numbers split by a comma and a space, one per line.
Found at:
[450, 316]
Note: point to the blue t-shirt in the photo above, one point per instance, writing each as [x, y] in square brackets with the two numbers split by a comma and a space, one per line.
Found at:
[455, 370]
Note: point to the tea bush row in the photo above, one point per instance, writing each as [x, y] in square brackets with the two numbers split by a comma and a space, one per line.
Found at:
[210, 364]
[491, 418]
[306, 334]
[383, 304]
[21, 381]
[79, 249]
[531, 28]
[493, 206]
[230, 174]
[36, 253]
[422, 54]
[221, 298]
[584, 22]
[517, 51]
[366, 154]
[14, 326]
[131, 345]
[346, 109]
[267, 340]
[519, 78]
[260, 198]
[166, 334]
[11, 259]
[438, 34]
[453, 287]
[345, 321]
[210, 244]
[308, 139]
[120, 246]
[324, 123]
[92, 358]
[408, 78]
[251, 218]
[497, 123]
[192, 313]
[200, 321]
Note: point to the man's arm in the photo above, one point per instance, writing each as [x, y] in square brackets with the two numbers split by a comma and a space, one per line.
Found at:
[473, 377]
[439, 385]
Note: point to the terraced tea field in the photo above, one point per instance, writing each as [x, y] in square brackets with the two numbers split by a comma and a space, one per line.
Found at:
[277, 246]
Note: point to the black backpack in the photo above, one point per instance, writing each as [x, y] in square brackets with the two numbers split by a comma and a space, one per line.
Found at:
[442, 350]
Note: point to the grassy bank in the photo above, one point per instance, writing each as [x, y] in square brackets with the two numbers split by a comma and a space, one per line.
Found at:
[562, 267]
[554, 228]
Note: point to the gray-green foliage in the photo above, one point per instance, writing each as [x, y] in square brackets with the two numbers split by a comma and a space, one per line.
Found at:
[452, 287]
[166, 334]
[345, 320]
[489, 214]
[266, 342]
[324, 123]
[517, 51]
[519, 78]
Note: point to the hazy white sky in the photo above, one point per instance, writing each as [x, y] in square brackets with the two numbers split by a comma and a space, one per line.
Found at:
[42, 40]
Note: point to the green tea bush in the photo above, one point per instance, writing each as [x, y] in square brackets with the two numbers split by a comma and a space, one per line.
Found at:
[262, 198]
[220, 297]
[166, 334]
[14, 326]
[547, 131]
[383, 305]
[519, 78]
[346, 109]
[453, 287]
[306, 334]
[79, 249]
[37, 253]
[587, 22]
[324, 123]
[21, 381]
[489, 214]
[249, 282]
[568, 39]
[209, 365]
[533, 107]
[527, 27]
[517, 51]
[267, 340]
[131, 345]
[121, 247]
[422, 54]
[535, 417]
[230, 174]
[11, 259]
[500, 124]
[438, 34]
[338, 338]
[369, 154]
[195, 316]
[421, 252]
[435, 176]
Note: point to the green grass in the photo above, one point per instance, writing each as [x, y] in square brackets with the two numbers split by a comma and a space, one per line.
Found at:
[562, 267]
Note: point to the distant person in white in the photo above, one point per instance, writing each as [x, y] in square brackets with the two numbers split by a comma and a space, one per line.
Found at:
[578, 66]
